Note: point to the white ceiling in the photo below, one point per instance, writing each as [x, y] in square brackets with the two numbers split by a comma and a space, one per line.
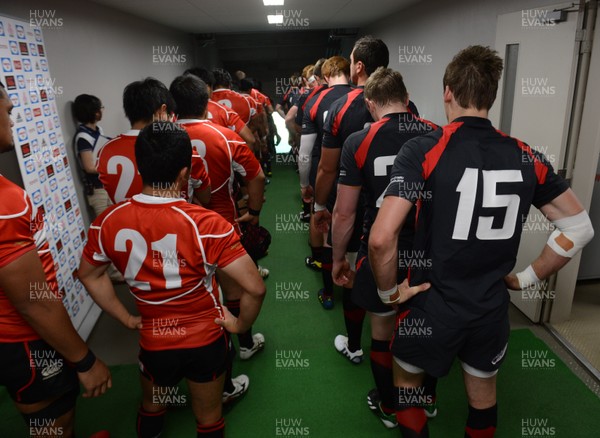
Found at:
[214, 16]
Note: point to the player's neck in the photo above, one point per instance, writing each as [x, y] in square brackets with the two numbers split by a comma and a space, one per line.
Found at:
[170, 191]
[361, 80]
[92, 126]
[338, 80]
[455, 113]
[382, 111]
[139, 125]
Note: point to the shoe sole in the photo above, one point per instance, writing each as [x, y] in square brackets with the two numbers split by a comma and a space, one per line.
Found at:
[351, 360]
[262, 347]
[374, 407]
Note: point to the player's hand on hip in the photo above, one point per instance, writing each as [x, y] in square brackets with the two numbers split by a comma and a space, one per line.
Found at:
[341, 273]
[228, 322]
[407, 292]
[322, 220]
[512, 282]
[96, 380]
[134, 322]
[247, 217]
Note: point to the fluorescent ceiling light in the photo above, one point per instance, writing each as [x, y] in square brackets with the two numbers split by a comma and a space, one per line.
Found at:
[273, 2]
[275, 19]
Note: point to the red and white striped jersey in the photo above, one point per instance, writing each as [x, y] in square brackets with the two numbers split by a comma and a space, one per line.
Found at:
[168, 251]
[222, 152]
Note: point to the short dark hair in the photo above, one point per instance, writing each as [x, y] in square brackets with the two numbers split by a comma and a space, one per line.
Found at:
[222, 78]
[85, 108]
[162, 149]
[384, 86]
[473, 76]
[190, 94]
[203, 74]
[372, 52]
[141, 99]
[246, 85]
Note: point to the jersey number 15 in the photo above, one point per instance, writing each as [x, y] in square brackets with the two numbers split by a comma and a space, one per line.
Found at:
[467, 187]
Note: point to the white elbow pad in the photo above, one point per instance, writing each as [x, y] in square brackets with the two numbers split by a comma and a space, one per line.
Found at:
[571, 235]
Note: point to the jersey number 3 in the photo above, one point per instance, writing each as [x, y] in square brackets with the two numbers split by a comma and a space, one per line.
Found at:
[467, 187]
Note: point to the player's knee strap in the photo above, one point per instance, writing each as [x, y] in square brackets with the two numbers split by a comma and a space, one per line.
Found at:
[56, 409]
[571, 235]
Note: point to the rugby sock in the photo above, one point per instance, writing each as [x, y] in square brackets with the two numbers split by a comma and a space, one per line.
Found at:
[327, 261]
[481, 423]
[381, 367]
[412, 421]
[305, 207]
[353, 318]
[150, 424]
[317, 253]
[430, 385]
[234, 308]
[245, 339]
[215, 430]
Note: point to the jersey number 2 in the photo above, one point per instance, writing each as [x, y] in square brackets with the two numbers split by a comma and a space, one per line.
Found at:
[467, 187]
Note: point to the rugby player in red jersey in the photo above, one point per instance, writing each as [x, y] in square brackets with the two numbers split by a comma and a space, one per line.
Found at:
[42, 357]
[170, 252]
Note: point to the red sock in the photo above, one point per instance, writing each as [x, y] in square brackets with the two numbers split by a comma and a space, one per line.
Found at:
[481, 423]
[412, 422]
[215, 430]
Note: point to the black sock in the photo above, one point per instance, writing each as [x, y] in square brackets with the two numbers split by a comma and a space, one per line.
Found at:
[481, 423]
[327, 261]
[412, 421]
[228, 386]
[150, 424]
[353, 318]
[245, 339]
[430, 385]
[215, 430]
[381, 368]
[317, 253]
[305, 207]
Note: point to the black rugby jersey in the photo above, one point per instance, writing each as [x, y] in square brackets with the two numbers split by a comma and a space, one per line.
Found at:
[481, 184]
[367, 159]
[347, 115]
[316, 111]
[303, 100]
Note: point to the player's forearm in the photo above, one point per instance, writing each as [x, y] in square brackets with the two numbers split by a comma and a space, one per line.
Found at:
[383, 257]
[256, 191]
[341, 232]
[290, 118]
[265, 124]
[548, 263]
[50, 320]
[103, 293]
[43, 312]
[202, 197]
[248, 137]
[250, 304]
[325, 180]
